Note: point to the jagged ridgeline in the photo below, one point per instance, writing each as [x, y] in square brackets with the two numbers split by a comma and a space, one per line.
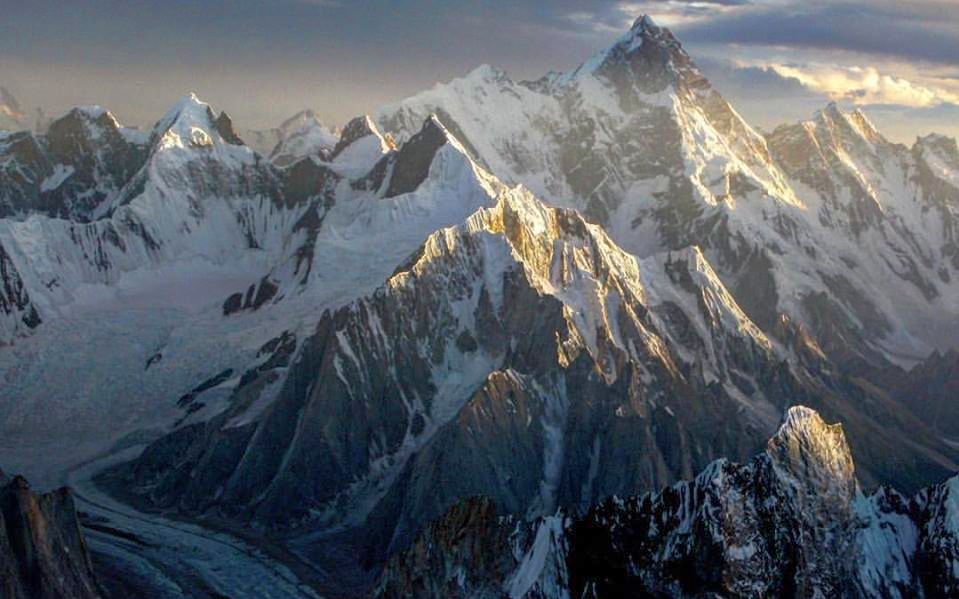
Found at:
[792, 522]
[545, 293]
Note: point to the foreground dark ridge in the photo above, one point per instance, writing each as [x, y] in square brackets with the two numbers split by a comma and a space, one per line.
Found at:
[790, 523]
[42, 552]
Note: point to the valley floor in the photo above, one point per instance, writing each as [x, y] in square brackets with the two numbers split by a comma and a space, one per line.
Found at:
[161, 558]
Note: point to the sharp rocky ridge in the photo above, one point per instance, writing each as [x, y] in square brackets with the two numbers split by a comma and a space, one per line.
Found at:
[638, 140]
[792, 522]
[520, 355]
[548, 293]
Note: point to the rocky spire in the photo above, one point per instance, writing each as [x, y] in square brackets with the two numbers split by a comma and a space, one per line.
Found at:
[644, 23]
[42, 552]
[649, 57]
[733, 531]
[809, 449]
[224, 126]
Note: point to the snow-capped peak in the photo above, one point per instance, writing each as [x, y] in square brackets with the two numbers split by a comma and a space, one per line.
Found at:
[191, 122]
[303, 135]
[94, 111]
[831, 110]
[643, 28]
[646, 31]
[662, 50]
[939, 139]
[854, 122]
[189, 107]
[486, 73]
[942, 146]
[361, 144]
[298, 121]
[644, 23]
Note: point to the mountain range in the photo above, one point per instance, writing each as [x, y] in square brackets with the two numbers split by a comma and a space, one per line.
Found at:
[552, 295]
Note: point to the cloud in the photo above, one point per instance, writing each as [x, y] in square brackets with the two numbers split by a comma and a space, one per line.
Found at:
[732, 77]
[590, 21]
[925, 30]
[679, 13]
[619, 15]
[864, 85]
[262, 59]
[769, 95]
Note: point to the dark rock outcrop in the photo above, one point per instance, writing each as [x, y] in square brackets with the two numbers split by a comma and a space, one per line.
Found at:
[790, 523]
[412, 164]
[42, 551]
[354, 131]
[15, 301]
[84, 159]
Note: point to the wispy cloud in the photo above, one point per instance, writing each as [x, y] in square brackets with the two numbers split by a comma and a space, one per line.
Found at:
[865, 85]
[616, 16]
[344, 57]
[678, 13]
[926, 30]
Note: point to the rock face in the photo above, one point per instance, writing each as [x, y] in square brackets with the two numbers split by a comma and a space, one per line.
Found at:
[790, 523]
[73, 170]
[474, 552]
[16, 309]
[638, 140]
[521, 355]
[546, 293]
[42, 552]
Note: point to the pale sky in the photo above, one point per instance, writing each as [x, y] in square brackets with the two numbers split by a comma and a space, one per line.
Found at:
[262, 60]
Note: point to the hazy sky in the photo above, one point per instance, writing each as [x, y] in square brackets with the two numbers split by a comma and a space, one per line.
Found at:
[262, 60]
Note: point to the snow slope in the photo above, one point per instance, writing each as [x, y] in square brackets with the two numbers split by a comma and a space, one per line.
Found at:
[638, 140]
